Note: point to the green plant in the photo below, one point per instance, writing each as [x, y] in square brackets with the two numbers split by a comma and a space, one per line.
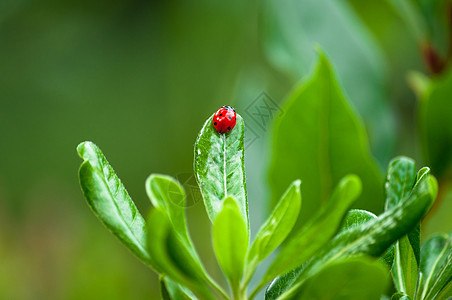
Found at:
[332, 241]
[418, 272]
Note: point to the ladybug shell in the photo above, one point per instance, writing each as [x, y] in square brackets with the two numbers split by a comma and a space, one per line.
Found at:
[224, 119]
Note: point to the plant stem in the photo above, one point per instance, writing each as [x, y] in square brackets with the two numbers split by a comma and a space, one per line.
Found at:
[218, 288]
[249, 272]
[239, 293]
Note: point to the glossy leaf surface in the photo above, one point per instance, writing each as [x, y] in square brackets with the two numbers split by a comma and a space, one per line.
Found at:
[436, 267]
[357, 217]
[219, 167]
[230, 241]
[400, 179]
[371, 238]
[400, 296]
[110, 201]
[305, 242]
[173, 259]
[167, 194]
[278, 225]
[171, 290]
[319, 140]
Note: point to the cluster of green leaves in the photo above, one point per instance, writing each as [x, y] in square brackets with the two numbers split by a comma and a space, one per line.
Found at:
[362, 233]
[418, 272]
[331, 242]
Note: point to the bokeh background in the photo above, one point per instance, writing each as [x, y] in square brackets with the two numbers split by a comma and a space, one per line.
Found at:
[139, 78]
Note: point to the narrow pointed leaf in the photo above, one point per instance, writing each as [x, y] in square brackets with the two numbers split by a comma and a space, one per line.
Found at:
[319, 139]
[436, 266]
[219, 167]
[400, 179]
[405, 268]
[171, 290]
[351, 279]
[171, 256]
[278, 225]
[446, 291]
[304, 243]
[372, 238]
[166, 193]
[110, 201]
[230, 241]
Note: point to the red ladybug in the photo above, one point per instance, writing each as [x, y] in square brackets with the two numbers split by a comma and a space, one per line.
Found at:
[224, 119]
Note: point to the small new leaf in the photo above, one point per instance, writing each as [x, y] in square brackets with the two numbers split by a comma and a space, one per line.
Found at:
[230, 241]
[171, 290]
[278, 225]
[167, 194]
[172, 258]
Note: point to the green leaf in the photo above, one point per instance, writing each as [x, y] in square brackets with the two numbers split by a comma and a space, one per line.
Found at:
[219, 168]
[305, 242]
[400, 296]
[172, 257]
[167, 194]
[110, 201]
[230, 241]
[357, 217]
[400, 179]
[371, 238]
[350, 279]
[274, 231]
[319, 140]
[436, 266]
[446, 292]
[435, 126]
[291, 28]
[171, 290]
[405, 268]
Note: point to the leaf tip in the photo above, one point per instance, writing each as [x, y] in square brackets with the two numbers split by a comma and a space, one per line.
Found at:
[323, 61]
[352, 182]
[85, 147]
[230, 203]
[401, 158]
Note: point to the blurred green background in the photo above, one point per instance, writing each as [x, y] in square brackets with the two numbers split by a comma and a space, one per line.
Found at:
[139, 78]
